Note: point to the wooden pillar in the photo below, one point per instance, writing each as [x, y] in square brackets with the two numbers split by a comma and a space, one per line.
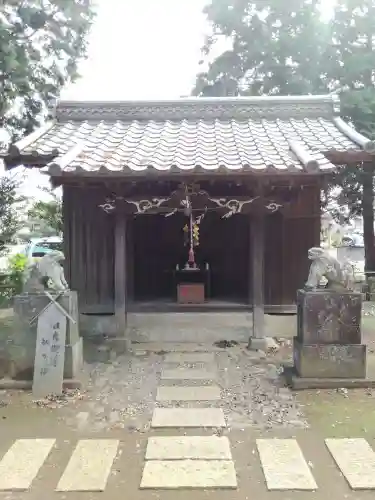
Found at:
[257, 238]
[120, 272]
[67, 216]
[130, 260]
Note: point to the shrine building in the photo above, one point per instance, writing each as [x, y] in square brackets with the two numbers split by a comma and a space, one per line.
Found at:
[203, 203]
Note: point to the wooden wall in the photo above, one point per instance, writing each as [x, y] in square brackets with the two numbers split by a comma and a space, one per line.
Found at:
[301, 231]
[89, 248]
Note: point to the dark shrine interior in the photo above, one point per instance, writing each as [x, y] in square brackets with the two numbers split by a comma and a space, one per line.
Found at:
[159, 246]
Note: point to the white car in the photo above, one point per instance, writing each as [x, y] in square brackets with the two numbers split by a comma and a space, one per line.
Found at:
[38, 247]
[33, 250]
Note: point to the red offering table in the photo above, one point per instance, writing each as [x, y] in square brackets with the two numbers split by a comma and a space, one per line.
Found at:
[192, 285]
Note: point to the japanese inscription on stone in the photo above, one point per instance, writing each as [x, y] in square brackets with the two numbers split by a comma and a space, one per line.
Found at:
[50, 352]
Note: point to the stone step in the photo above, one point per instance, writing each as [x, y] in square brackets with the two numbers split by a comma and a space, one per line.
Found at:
[183, 393]
[187, 374]
[188, 417]
[89, 466]
[356, 460]
[22, 462]
[189, 357]
[178, 347]
[284, 465]
[183, 462]
[183, 474]
[88, 469]
[188, 448]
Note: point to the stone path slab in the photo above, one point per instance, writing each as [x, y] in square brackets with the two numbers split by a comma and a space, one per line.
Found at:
[89, 466]
[187, 374]
[188, 447]
[195, 393]
[284, 466]
[178, 347]
[188, 417]
[189, 357]
[356, 460]
[22, 462]
[175, 474]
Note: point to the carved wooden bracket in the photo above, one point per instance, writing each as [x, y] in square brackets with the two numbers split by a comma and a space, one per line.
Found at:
[233, 206]
[191, 198]
[141, 206]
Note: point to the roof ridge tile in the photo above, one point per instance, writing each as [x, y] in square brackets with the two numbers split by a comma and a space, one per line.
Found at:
[227, 108]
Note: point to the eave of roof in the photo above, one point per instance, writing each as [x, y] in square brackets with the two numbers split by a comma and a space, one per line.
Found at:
[291, 134]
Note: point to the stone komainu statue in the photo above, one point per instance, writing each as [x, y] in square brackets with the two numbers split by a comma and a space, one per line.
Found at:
[339, 276]
[46, 274]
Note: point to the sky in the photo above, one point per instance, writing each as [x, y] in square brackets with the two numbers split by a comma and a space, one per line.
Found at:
[144, 49]
[140, 49]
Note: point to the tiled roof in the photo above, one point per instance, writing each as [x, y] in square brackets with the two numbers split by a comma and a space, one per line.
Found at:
[255, 134]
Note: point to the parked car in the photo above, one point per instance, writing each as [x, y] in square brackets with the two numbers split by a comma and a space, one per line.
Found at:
[352, 240]
[38, 247]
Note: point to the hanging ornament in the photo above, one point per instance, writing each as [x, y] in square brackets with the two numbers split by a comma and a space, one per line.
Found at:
[191, 230]
[186, 234]
[196, 234]
[191, 258]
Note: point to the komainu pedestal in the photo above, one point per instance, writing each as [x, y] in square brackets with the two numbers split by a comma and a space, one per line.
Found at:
[328, 347]
[22, 343]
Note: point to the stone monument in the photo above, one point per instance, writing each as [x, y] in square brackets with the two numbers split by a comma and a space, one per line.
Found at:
[328, 350]
[46, 308]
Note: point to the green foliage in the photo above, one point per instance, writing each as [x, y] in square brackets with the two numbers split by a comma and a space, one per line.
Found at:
[17, 266]
[352, 70]
[41, 42]
[276, 48]
[352, 50]
[9, 211]
[358, 107]
[11, 283]
[279, 47]
[285, 47]
[49, 212]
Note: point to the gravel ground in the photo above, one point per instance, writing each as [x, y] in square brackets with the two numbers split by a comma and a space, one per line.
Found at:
[252, 391]
[254, 394]
[121, 394]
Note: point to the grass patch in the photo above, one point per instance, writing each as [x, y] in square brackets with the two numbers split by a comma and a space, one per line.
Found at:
[332, 414]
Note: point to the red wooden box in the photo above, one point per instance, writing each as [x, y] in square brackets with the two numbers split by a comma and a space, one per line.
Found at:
[190, 293]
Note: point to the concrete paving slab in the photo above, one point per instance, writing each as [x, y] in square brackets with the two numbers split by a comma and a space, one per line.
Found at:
[188, 447]
[284, 465]
[189, 357]
[356, 460]
[176, 474]
[21, 463]
[89, 466]
[188, 417]
[178, 346]
[187, 374]
[194, 393]
[82, 419]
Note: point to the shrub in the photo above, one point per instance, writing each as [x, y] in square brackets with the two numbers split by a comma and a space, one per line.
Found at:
[17, 265]
[11, 282]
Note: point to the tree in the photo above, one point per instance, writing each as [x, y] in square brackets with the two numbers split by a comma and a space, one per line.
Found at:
[276, 48]
[9, 210]
[351, 69]
[41, 42]
[280, 47]
[49, 212]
